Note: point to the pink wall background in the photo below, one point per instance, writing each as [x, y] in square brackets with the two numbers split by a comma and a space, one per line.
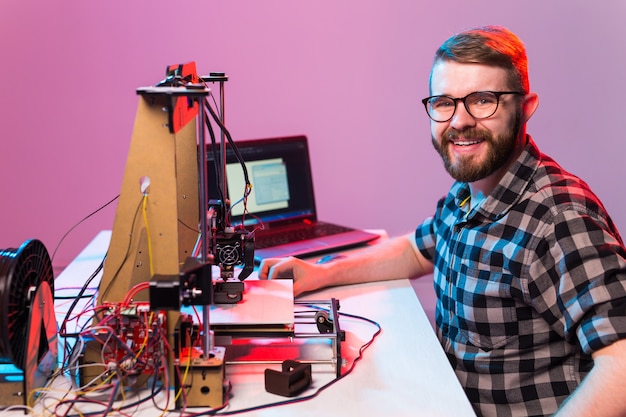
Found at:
[349, 74]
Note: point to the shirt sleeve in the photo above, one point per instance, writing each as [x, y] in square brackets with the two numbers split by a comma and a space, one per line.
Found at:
[425, 238]
[425, 233]
[577, 279]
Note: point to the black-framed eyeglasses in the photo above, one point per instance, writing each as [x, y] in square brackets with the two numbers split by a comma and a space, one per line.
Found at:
[479, 104]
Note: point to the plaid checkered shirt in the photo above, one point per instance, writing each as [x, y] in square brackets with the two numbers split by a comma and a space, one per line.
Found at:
[529, 283]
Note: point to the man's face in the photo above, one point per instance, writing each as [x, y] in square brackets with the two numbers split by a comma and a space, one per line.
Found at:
[474, 149]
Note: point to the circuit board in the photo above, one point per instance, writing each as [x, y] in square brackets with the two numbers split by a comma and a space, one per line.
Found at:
[128, 342]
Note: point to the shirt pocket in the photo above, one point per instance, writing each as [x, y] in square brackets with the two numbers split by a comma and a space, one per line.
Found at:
[485, 310]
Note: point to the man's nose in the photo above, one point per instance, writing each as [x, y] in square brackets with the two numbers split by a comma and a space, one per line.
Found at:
[461, 118]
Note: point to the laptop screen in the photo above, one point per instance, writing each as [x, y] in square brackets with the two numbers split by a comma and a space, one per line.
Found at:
[280, 172]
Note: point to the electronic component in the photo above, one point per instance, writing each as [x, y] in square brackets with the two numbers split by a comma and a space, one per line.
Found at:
[230, 248]
[127, 343]
[192, 286]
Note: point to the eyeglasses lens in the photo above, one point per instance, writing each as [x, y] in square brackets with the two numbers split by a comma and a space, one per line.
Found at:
[479, 105]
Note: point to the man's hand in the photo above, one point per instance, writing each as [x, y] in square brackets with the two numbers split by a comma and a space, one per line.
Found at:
[306, 275]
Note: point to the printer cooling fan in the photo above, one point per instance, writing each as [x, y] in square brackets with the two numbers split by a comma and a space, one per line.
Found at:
[28, 333]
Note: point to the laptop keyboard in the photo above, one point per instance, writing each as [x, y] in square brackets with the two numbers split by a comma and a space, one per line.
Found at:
[282, 237]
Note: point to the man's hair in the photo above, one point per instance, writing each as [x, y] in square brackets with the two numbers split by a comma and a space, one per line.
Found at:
[489, 45]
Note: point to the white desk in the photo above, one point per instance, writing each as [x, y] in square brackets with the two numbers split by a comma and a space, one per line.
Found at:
[404, 372]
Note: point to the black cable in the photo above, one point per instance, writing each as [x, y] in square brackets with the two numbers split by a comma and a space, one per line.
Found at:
[77, 224]
[79, 296]
[237, 153]
[71, 297]
[230, 140]
[217, 159]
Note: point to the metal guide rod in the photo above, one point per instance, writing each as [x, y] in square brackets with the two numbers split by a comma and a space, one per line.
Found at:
[223, 140]
[204, 201]
[203, 182]
[204, 204]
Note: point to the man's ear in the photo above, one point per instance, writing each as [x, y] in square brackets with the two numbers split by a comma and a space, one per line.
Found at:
[529, 105]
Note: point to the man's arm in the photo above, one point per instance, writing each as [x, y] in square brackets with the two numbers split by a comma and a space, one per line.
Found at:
[602, 392]
[395, 258]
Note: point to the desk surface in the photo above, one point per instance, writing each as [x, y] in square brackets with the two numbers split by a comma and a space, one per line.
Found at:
[403, 373]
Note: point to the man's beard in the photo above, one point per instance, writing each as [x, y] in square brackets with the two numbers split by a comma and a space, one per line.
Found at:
[466, 169]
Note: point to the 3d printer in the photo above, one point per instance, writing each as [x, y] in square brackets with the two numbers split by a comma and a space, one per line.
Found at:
[166, 242]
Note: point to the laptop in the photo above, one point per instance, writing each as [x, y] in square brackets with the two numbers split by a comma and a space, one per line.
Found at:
[281, 206]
